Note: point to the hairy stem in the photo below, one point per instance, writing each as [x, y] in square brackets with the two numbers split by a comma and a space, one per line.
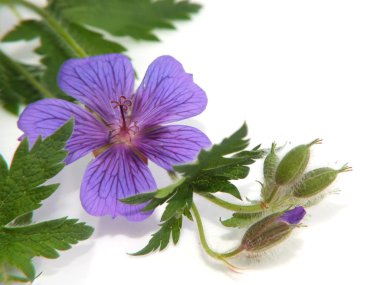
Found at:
[28, 76]
[206, 247]
[254, 208]
[56, 26]
[202, 236]
[232, 253]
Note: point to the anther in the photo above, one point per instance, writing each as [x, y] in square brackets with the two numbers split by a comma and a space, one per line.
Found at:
[122, 103]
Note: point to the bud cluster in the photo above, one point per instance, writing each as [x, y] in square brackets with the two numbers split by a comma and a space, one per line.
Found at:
[285, 180]
[286, 190]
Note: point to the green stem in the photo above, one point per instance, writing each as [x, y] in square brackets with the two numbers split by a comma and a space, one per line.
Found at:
[202, 236]
[29, 77]
[55, 25]
[15, 11]
[220, 256]
[231, 253]
[255, 208]
[273, 194]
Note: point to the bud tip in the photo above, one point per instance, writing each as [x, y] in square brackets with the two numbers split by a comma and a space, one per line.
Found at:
[293, 216]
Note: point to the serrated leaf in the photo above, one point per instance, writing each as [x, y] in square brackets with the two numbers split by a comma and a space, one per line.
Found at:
[212, 173]
[214, 158]
[213, 184]
[93, 42]
[55, 51]
[70, 37]
[161, 238]
[134, 18]
[19, 244]
[181, 200]
[20, 191]
[187, 214]
[233, 172]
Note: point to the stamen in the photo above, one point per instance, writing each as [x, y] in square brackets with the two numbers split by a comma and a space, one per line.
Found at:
[124, 104]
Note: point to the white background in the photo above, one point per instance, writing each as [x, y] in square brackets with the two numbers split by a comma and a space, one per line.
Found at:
[294, 71]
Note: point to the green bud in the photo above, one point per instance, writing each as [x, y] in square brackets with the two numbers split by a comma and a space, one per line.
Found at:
[317, 180]
[265, 234]
[270, 164]
[294, 163]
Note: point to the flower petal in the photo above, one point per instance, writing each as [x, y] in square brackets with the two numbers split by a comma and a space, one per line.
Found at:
[44, 117]
[117, 173]
[167, 94]
[293, 216]
[98, 80]
[170, 145]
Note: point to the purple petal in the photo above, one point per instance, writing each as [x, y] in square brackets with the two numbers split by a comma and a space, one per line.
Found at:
[167, 94]
[44, 117]
[117, 173]
[98, 80]
[171, 145]
[293, 216]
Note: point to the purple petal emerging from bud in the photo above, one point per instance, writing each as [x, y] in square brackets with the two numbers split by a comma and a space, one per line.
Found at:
[293, 216]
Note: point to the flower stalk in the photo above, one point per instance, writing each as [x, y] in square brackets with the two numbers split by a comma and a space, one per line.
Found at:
[254, 208]
[29, 77]
[219, 256]
[55, 26]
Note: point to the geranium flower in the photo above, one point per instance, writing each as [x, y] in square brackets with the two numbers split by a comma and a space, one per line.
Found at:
[123, 129]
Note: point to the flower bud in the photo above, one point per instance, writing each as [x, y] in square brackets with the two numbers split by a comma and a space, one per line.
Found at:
[270, 164]
[271, 230]
[317, 180]
[294, 163]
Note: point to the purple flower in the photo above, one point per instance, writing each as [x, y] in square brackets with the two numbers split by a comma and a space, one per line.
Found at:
[123, 129]
[293, 216]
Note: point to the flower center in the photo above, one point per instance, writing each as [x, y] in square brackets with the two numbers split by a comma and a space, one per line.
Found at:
[123, 133]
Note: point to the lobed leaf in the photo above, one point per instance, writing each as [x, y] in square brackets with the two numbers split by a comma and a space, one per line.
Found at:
[19, 244]
[214, 158]
[134, 18]
[160, 239]
[20, 191]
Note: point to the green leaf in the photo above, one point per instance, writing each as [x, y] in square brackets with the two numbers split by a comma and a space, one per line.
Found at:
[139, 198]
[233, 172]
[54, 50]
[21, 192]
[20, 244]
[134, 18]
[214, 158]
[22, 220]
[64, 33]
[181, 200]
[15, 89]
[242, 220]
[161, 238]
[3, 168]
[212, 173]
[166, 191]
[213, 184]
